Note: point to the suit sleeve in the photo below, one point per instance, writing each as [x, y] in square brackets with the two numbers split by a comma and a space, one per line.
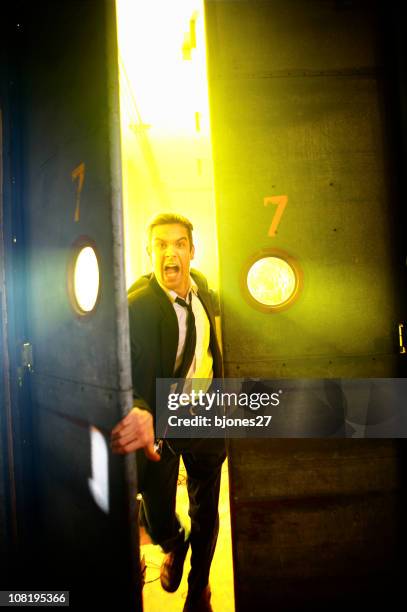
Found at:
[143, 366]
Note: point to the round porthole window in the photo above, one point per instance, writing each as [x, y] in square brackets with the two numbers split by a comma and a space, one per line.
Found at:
[271, 280]
[84, 277]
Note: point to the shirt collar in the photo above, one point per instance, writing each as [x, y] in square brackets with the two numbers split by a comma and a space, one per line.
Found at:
[173, 295]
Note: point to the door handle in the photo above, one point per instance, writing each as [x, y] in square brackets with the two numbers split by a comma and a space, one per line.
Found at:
[402, 339]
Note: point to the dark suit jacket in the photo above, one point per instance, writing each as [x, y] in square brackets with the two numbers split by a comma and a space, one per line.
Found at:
[154, 338]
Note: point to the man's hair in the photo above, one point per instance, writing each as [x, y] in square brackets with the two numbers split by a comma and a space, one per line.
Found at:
[169, 218]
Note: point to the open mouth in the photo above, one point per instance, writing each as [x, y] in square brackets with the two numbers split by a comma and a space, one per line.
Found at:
[171, 271]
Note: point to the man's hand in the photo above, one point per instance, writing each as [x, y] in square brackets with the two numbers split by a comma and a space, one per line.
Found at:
[133, 432]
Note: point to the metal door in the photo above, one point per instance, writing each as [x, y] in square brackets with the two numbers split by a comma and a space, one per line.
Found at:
[75, 359]
[305, 165]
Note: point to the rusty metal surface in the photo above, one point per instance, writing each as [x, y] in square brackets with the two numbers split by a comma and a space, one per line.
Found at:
[296, 469]
[315, 522]
[261, 37]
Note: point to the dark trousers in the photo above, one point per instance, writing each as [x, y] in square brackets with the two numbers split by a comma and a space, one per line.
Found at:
[203, 462]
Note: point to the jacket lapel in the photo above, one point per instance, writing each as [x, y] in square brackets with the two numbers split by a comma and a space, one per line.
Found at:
[169, 333]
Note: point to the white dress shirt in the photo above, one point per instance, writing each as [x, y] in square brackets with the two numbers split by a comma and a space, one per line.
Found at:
[202, 362]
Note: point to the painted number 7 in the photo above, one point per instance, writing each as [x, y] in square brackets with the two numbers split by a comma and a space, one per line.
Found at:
[78, 173]
[281, 203]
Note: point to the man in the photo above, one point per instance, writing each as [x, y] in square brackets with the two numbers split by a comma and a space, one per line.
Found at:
[172, 333]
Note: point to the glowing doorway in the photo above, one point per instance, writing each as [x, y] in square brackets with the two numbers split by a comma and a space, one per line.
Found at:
[167, 167]
[166, 146]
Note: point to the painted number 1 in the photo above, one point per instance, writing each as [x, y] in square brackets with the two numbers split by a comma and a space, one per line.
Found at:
[281, 203]
[78, 173]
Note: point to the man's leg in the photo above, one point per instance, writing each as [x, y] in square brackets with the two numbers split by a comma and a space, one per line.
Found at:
[157, 512]
[204, 473]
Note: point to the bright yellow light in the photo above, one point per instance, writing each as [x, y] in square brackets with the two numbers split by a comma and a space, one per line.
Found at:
[86, 279]
[165, 126]
[168, 88]
[271, 281]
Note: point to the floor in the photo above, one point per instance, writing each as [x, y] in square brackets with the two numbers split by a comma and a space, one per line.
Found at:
[155, 599]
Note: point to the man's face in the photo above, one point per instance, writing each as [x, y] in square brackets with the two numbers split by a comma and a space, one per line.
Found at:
[171, 253]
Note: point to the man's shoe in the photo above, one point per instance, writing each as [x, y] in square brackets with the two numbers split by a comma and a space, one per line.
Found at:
[202, 604]
[172, 568]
